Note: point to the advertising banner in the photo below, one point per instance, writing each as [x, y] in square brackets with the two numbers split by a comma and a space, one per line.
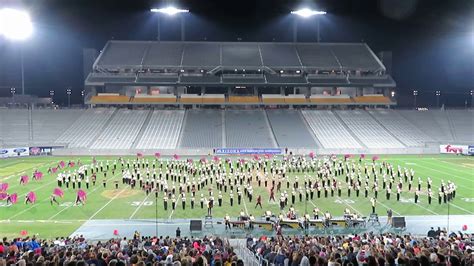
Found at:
[470, 150]
[36, 151]
[453, 149]
[247, 151]
[14, 152]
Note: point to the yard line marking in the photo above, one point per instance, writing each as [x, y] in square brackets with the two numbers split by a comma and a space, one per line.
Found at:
[245, 205]
[452, 169]
[97, 187]
[139, 206]
[417, 204]
[349, 206]
[397, 213]
[456, 206]
[176, 206]
[450, 163]
[105, 205]
[439, 178]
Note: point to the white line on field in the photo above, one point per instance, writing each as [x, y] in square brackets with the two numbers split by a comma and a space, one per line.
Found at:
[176, 206]
[350, 206]
[106, 204]
[140, 205]
[97, 187]
[397, 213]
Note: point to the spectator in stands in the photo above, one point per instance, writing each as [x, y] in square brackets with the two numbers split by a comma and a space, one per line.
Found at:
[117, 252]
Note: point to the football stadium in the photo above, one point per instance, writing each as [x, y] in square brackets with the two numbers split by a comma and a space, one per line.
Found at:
[166, 140]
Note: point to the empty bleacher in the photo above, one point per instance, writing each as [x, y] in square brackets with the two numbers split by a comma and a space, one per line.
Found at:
[368, 130]
[247, 129]
[289, 129]
[329, 130]
[48, 125]
[202, 129]
[462, 122]
[86, 128]
[401, 128]
[432, 123]
[14, 126]
[162, 131]
[121, 130]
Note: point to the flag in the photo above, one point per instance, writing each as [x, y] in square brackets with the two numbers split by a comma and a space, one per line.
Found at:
[31, 196]
[38, 175]
[203, 160]
[347, 156]
[375, 158]
[311, 155]
[362, 156]
[54, 169]
[72, 164]
[24, 179]
[157, 154]
[176, 156]
[58, 192]
[14, 198]
[139, 154]
[216, 159]
[3, 195]
[62, 164]
[23, 233]
[82, 195]
[3, 187]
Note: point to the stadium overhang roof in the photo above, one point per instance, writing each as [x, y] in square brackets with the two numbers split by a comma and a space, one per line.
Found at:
[238, 63]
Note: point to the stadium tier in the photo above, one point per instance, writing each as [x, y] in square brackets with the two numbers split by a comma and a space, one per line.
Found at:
[119, 129]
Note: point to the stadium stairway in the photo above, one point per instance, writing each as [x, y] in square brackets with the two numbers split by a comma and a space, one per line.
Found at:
[181, 131]
[103, 128]
[272, 133]
[318, 143]
[224, 142]
[142, 129]
[362, 144]
[386, 129]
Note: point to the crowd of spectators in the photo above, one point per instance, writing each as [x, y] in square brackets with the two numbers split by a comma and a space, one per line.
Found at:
[140, 251]
[366, 249]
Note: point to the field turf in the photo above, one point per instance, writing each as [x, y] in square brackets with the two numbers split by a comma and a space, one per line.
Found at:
[125, 203]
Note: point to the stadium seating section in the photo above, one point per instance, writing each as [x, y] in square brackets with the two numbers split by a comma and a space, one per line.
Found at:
[109, 128]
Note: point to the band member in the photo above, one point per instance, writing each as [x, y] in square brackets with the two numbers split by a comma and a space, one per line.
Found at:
[227, 222]
[165, 202]
[231, 198]
[430, 195]
[373, 201]
[316, 213]
[417, 195]
[183, 201]
[192, 202]
[399, 191]
[52, 199]
[104, 182]
[219, 199]
[259, 202]
[173, 203]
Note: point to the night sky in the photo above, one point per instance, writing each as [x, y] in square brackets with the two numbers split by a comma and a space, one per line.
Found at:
[432, 40]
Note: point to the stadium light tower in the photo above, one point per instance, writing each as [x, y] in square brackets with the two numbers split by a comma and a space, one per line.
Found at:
[306, 13]
[438, 93]
[415, 93]
[16, 25]
[472, 98]
[169, 11]
[68, 92]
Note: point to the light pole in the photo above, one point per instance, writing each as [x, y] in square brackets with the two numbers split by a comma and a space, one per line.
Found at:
[16, 25]
[13, 91]
[306, 13]
[51, 94]
[415, 93]
[438, 93]
[472, 98]
[68, 92]
[170, 11]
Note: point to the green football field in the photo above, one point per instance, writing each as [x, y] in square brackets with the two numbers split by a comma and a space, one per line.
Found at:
[126, 203]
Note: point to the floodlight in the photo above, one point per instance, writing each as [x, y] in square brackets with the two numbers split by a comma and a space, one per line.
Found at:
[393, 93]
[306, 12]
[171, 10]
[15, 24]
